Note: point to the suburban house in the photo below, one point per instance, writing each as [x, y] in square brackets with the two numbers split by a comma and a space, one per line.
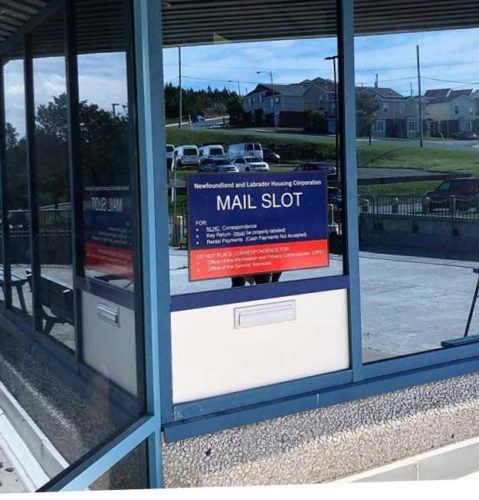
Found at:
[288, 105]
[446, 112]
[450, 112]
[398, 116]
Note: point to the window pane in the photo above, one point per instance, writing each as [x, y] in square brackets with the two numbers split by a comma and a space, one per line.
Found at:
[82, 382]
[55, 289]
[269, 100]
[130, 473]
[419, 206]
[17, 188]
[104, 163]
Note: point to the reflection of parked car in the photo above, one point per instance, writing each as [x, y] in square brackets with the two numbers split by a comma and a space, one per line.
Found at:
[465, 191]
[320, 166]
[211, 151]
[170, 153]
[466, 136]
[219, 165]
[187, 156]
[245, 149]
[18, 220]
[270, 156]
[334, 197]
[250, 164]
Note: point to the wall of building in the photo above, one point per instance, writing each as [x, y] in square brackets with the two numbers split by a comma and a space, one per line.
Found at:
[329, 443]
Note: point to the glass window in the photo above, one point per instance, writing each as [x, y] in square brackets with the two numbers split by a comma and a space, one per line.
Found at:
[53, 195]
[214, 75]
[17, 187]
[418, 231]
[83, 382]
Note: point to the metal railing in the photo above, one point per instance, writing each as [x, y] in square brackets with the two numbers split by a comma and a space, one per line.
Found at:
[419, 207]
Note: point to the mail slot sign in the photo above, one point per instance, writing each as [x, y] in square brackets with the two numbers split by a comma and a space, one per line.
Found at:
[252, 223]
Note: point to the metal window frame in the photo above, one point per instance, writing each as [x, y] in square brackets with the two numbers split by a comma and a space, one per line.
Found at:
[213, 414]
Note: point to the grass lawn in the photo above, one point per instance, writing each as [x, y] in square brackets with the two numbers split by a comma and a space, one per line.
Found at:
[431, 159]
[417, 188]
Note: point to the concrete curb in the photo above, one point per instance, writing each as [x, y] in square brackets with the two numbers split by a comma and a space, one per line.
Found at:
[40, 447]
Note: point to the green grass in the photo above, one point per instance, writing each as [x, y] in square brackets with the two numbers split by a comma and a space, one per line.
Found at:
[417, 188]
[431, 159]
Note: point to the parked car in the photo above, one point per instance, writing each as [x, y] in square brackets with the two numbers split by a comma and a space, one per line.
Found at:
[270, 156]
[245, 149]
[187, 156]
[466, 136]
[219, 165]
[334, 197]
[170, 154]
[250, 164]
[212, 151]
[465, 191]
[320, 166]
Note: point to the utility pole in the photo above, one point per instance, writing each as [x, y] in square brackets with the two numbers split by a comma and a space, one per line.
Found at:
[270, 73]
[114, 105]
[239, 86]
[180, 89]
[421, 131]
[336, 110]
[412, 90]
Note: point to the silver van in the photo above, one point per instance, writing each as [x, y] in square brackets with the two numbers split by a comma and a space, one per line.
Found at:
[212, 151]
[187, 156]
[245, 149]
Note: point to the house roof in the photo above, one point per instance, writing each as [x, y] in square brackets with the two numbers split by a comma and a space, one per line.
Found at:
[384, 92]
[294, 89]
[436, 93]
[457, 93]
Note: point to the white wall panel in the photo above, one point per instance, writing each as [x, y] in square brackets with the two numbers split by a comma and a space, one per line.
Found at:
[211, 357]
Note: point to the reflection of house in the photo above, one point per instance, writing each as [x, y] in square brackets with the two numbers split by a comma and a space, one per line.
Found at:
[451, 111]
[397, 115]
[290, 104]
[445, 112]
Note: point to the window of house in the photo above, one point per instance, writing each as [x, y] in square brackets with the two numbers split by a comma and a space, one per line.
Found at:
[379, 126]
[412, 126]
[456, 110]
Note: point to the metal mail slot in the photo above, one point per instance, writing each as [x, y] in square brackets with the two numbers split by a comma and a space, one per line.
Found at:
[265, 314]
[111, 314]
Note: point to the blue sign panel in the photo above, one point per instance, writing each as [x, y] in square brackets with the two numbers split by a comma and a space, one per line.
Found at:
[253, 223]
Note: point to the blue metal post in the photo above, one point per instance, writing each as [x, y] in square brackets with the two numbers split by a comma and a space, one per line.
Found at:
[348, 151]
[154, 209]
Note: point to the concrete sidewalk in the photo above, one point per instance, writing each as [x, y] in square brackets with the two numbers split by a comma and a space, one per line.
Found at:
[10, 481]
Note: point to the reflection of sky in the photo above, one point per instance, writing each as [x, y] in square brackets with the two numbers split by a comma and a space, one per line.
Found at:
[445, 55]
[448, 59]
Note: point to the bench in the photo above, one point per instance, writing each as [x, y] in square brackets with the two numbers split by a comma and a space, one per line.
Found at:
[17, 282]
[58, 299]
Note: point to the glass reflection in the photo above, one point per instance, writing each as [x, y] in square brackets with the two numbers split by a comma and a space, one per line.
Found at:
[55, 288]
[240, 117]
[418, 189]
[17, 187]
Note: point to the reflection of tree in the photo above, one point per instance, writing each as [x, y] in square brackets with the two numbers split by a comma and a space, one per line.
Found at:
[103, 153]
[367, 107]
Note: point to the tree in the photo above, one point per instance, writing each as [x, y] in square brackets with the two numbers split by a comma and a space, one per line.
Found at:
[315, 121]
[234, 108]
[11, 136]
[367, 107]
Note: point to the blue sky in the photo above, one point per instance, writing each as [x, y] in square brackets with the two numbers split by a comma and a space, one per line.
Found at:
[445, 55]
[448, 59]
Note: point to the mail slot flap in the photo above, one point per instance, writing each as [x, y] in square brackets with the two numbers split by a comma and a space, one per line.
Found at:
[265, 314]
[108, 313]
